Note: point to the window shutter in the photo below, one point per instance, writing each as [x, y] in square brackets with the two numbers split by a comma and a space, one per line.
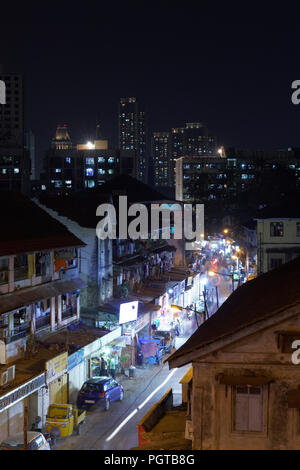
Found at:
[255, 413]
[241, 412]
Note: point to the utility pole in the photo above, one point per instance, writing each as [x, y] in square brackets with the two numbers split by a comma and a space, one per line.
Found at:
[217, 295]
[25, 423]
[205, 303]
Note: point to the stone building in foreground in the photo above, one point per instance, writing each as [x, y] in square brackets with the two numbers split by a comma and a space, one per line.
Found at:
[245, 390]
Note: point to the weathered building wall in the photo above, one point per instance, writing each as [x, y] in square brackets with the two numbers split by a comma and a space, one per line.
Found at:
[212, 405]
[95, 262]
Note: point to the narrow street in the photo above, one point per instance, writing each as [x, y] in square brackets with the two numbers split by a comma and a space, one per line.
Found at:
[100, 424]
[116, 429]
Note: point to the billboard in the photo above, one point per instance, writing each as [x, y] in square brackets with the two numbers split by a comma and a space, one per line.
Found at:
[128, 312]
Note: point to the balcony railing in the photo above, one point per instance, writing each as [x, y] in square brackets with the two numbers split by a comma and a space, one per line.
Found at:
[21, 273]
[3, 277]
[68, 313]
[42, 322]
[17, 333]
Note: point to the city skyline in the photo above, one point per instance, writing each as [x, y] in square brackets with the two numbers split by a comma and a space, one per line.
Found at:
[240, 89]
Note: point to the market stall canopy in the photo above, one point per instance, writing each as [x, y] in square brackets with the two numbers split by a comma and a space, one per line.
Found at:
[21, 298]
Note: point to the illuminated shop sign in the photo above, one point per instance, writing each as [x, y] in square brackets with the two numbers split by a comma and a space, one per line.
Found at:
[128, 312]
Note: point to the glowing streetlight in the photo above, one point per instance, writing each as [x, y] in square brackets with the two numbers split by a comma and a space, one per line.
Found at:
[225, 230]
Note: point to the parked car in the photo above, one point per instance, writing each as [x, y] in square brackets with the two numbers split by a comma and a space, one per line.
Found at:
[99, 390]
[35, 441]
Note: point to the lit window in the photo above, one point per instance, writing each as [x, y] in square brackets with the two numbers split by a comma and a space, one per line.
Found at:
[101, 159]
[16, 171]
[89, 183]
[89, 171]
[90, 161]
[276, 229]
[101, 171]
[57, 170]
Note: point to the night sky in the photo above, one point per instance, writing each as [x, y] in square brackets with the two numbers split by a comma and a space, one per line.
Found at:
[226, 64]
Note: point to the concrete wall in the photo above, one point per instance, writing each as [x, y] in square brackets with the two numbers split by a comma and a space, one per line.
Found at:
[212, 402]
[95, 262]
[265, 242]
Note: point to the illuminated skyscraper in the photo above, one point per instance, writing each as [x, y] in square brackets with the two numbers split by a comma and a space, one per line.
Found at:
[14, 159]
[132, 134]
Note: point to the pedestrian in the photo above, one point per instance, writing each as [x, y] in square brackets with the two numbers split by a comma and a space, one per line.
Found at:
[104, 371]
[112, 367]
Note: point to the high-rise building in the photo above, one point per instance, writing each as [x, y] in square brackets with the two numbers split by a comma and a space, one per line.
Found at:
[192, 140]
[14, 159]
[70, 168]
[162, 164]
[29, 144]
[132, 134]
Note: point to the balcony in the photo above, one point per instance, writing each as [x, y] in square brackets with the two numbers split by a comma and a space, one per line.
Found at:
[17, 333]
[42, 322]
[21, 273]
[3, 277]
[68, 313]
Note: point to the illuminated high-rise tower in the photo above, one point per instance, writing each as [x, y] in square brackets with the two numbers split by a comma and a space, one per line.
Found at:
[132, 134]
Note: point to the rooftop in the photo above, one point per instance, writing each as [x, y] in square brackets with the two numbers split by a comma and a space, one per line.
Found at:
[25, 227]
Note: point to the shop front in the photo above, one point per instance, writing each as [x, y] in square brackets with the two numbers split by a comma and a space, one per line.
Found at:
[102, 357]
[76, 374]
[12, 406]
[57, 378]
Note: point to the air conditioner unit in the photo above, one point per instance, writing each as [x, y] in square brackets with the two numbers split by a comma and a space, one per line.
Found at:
[11, 371]
[4, 378]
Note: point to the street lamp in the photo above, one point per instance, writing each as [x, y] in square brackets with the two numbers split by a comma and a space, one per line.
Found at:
[177, 308]
[225, 230]
[212, 273]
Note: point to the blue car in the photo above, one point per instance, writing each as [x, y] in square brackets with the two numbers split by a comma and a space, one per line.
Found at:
[99, 390]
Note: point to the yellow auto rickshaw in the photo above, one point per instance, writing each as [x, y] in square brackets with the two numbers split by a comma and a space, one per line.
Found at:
[65, 419]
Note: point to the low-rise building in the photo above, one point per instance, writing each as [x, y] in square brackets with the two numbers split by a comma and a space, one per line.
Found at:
[39, 281]
[246, 377]
[278, 238]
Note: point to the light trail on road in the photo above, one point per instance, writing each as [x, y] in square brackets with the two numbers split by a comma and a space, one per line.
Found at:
[118, 429]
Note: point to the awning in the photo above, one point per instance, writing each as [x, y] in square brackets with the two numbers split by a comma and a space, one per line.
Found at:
[121, 342]
[149, 307]
[25, 297]
[293, 398]
[244, 380]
